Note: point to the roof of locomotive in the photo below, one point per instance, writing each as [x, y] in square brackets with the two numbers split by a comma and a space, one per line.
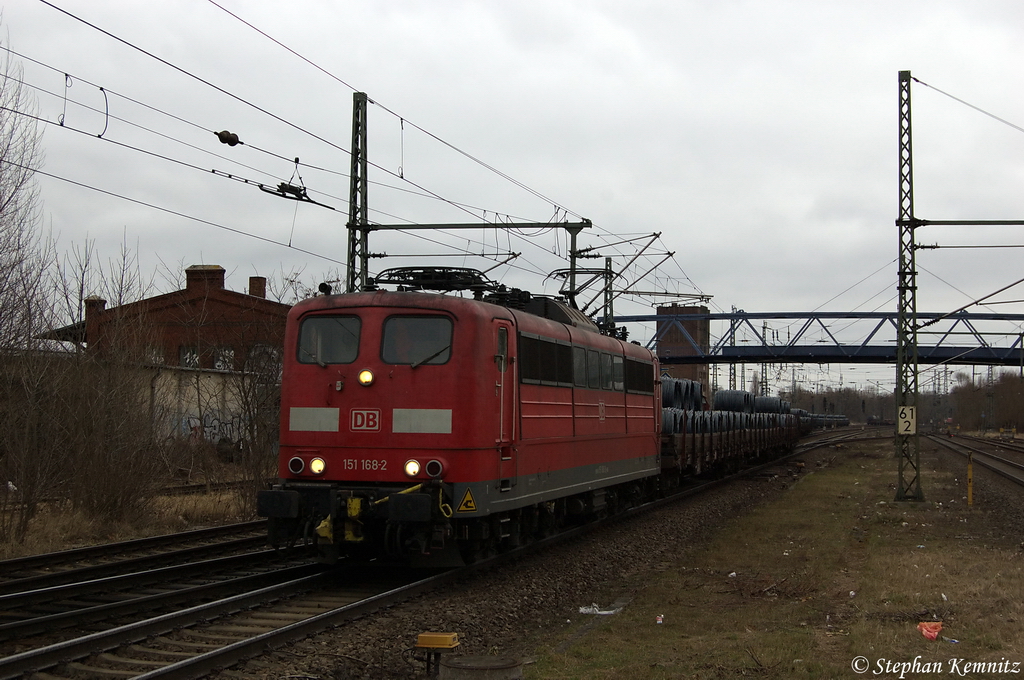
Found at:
[539, 313]
[543, 307]
[387, 298]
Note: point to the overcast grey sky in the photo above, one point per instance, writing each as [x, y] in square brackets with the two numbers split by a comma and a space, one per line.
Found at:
[759, 138]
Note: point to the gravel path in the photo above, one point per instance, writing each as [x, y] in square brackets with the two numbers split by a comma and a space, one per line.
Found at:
[509, 611]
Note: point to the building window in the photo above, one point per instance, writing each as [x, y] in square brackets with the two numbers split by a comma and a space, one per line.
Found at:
[155, 354]
[188, 357]
[224, 358]
[264, 361]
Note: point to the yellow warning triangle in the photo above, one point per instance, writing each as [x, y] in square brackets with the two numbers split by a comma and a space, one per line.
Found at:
[468, 504]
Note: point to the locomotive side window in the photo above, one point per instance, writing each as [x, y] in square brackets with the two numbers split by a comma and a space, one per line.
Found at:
[606, 371]
[417, 340]
[593, 369]
[598, 370]
[618, 374]
[579, 366]
[329, 340]
[501, 358]
[544, 361]
[639, 377]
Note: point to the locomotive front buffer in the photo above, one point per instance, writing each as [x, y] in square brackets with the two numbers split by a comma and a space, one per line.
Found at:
[403, 522]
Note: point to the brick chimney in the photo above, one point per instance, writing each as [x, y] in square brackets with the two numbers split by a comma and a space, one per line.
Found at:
[204, 277]
[94, 308]
[258, 286]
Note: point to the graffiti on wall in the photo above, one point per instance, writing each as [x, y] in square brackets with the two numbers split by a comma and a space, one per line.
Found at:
[212, 427]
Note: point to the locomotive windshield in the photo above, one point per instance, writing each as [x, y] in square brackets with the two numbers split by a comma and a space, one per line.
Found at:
[329, 340]
[417, 340]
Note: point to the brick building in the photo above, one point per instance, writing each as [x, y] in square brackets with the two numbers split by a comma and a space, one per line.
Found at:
[204, 346]
[203, 326]
[673, 342]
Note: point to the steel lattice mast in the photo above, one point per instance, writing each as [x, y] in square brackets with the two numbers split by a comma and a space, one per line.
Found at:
[907, 442]
[359, 226]
[358, 223]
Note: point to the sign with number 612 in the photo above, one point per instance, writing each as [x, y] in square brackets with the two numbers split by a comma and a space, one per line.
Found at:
[906, 420]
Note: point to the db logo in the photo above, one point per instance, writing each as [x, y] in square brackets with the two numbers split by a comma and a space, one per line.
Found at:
[366, 420]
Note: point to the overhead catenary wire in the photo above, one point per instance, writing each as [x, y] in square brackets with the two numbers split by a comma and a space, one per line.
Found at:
[980, 110]
[63, 123]
[244, 101]
[154, 154]
[220, 173]
[962, 292]
[295, 126]
[963, 247]
[971, 304]
[403, 120]
[249, 145]
[173, 212]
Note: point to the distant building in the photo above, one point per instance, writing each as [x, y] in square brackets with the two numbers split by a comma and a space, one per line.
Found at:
[684, 338]
[202, 326]
[204, 345]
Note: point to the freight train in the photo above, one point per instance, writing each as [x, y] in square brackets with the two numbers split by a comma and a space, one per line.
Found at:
[435, 428]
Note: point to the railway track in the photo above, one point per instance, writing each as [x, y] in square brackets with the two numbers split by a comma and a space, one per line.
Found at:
[46, 612]
[999, 444]
[194, 641]
[995, 455]
[202, 489]
[831, 437]
[100, 561]
[47, 600]
[176, 606]
[215, 630]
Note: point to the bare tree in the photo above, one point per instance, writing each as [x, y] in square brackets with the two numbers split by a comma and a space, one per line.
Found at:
[104, 395]
[24, 312]
[21, 252]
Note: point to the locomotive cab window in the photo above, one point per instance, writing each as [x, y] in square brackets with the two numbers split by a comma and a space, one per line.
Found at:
[329, 340]
[417, 340]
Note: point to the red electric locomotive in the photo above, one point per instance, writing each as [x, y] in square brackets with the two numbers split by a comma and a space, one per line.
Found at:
[427, 426]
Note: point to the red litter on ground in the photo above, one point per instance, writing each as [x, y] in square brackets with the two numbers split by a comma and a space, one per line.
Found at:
[930, 629]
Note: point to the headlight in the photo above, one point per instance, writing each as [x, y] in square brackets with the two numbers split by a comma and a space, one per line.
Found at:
[434, 469]
[365, 377]
[317, 465]
[412, 467]
[296, 465]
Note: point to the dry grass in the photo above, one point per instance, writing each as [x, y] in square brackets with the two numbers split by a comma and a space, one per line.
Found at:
[831, 571]
[58, 528]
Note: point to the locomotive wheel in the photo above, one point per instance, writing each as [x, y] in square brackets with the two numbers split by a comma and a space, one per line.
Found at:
[393, 539]
[478, 551]
[547, 522]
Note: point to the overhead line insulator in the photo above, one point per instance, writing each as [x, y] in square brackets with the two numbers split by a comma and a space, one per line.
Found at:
[229, 138]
